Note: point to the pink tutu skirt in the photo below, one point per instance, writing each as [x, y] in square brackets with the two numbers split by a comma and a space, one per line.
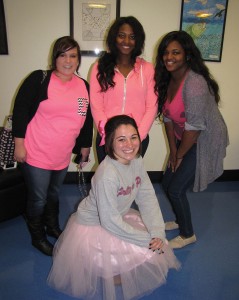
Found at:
[88, 261]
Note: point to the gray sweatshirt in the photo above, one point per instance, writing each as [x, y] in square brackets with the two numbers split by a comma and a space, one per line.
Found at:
[113, 189]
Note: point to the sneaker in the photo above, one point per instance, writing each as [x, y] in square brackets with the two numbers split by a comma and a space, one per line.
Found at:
[171, 225]
[179, 242]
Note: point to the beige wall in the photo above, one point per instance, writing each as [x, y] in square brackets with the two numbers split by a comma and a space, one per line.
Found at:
[33, 25]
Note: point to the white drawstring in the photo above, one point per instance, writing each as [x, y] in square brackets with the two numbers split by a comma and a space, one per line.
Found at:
[141, 74]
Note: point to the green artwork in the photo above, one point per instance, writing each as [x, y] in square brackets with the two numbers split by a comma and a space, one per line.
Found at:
[205, 20]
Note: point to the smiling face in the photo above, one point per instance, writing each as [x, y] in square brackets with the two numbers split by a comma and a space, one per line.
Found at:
[66, 64]
[126, 143]
[125, 40]
[174, 57]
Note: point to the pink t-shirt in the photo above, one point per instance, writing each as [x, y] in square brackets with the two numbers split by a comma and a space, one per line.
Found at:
[175, 111]
[52, 132]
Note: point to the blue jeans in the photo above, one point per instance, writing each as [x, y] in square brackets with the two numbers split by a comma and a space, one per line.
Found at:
[100, 150]
[176, 185]
[42, 186]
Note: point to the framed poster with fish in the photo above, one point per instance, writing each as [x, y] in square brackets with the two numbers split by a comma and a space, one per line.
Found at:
[205, 21]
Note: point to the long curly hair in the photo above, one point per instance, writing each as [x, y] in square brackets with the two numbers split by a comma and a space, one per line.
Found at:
[107, 61]
[193, 59]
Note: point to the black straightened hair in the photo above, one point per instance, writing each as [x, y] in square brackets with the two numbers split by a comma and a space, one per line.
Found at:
[107, 61]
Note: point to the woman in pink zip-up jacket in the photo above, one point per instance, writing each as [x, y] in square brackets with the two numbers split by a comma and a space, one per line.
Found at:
[122, 82]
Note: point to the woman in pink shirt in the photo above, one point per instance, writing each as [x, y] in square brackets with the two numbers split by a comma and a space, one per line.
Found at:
[50, 118]
[122, 82]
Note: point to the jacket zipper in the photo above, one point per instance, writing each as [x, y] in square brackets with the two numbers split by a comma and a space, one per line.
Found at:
[124, 96]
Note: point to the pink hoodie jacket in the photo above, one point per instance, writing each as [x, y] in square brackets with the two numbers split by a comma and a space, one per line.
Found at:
[133, 95]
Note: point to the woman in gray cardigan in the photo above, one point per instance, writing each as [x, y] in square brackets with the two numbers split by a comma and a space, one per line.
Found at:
[188, 98]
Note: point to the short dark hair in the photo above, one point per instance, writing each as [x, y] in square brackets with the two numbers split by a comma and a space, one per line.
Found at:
[62, 45]
[110, 128]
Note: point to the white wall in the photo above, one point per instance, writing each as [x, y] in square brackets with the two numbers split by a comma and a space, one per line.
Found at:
[33, 25]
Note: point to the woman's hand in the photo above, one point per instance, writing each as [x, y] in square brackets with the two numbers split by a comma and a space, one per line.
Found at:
[156, 244]
[20, 152]
[178, 163]
[172, 145]
[85, 152]
[172, 160]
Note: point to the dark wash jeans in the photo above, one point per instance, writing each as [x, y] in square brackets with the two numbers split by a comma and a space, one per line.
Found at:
[176, 185]
[101, 149]
[42, 185]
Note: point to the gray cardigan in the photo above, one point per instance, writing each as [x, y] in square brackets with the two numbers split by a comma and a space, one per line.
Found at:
[202, 112]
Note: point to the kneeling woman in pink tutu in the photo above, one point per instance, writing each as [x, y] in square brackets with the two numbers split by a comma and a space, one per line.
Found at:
[108, 248]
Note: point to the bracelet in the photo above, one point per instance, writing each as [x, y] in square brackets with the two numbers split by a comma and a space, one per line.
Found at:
[179, 157]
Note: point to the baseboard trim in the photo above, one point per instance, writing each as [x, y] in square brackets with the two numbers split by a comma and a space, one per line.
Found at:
[155, 176]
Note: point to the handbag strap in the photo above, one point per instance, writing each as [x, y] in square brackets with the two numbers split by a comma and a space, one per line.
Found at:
[82, 185]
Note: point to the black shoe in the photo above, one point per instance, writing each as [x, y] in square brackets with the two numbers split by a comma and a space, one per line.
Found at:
[38, 235]
[54, 232]
[44, 246]
[51, 220]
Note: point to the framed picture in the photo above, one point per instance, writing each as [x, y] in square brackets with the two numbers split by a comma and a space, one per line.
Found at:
[89, 21]
[3, 31]
[205, 21]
